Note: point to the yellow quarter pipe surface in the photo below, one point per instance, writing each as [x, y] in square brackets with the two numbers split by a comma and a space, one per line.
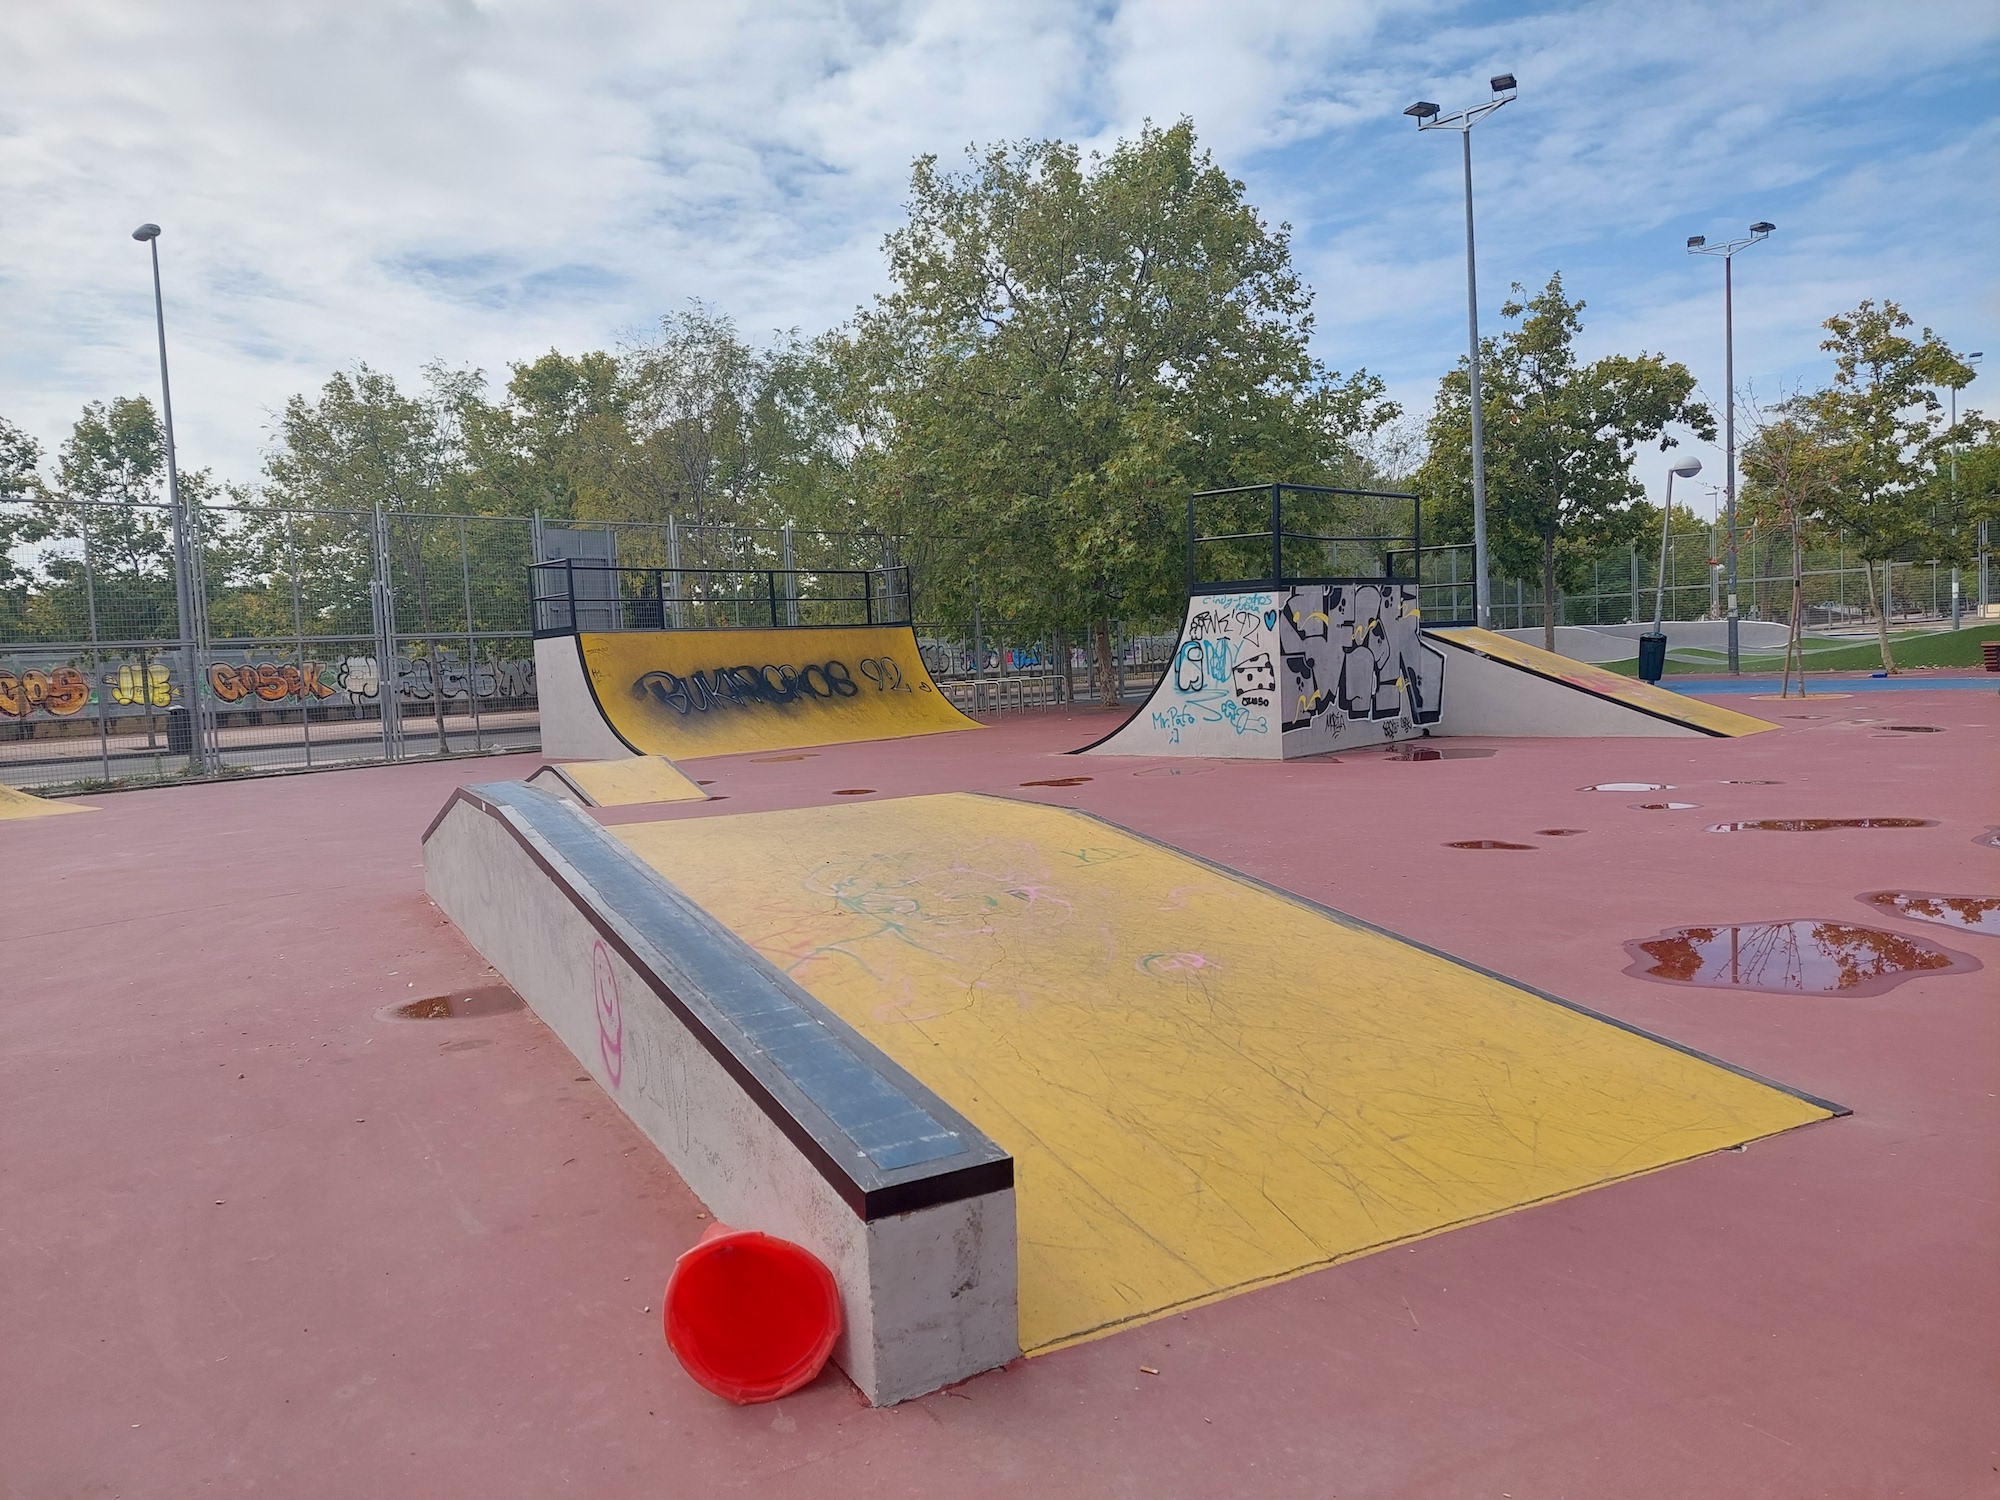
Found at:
[19, 804]
[687, 693]
[1707, 717]
[626, 783]
[1206, 1085]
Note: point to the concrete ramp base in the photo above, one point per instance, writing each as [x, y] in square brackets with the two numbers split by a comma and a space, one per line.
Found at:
[775, 1112]
[1501, 686]
[635, 780]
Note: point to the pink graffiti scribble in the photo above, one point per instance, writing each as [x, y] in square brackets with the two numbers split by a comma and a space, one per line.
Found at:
[610, 1013]
[1160, 965]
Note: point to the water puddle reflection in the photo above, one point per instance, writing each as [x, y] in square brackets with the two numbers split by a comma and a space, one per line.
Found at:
[1791, 958]
[1967, 913]
[1059, 781]
[1817, 825]
[1485, 844]
[459, 1005]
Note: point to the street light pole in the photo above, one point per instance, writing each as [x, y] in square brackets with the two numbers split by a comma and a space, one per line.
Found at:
[149, 235]
[1428, 118]
[1970, 359]
[1698, 245]
[1653, 647]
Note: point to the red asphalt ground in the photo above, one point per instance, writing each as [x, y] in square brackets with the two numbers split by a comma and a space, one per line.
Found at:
[255, 1240]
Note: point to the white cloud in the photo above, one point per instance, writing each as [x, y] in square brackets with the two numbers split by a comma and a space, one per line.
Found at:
[479, 181]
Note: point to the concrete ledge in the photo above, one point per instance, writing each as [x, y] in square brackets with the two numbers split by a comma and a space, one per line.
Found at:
[774, 1111]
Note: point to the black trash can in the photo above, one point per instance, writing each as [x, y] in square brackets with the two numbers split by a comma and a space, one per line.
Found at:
[1652, 657]
[180, 730]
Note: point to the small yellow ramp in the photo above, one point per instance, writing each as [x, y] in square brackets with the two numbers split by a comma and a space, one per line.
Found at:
[1206, 1084]
[15, 803]
[1496, 685]
[619, 783]
[688, 693]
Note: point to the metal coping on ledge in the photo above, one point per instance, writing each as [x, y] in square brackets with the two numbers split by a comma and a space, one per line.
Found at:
[886, 1143]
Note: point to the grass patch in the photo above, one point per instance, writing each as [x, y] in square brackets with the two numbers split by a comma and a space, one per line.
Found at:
[1934, 648]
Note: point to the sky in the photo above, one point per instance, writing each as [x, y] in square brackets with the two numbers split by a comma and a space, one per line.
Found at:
[480, 181]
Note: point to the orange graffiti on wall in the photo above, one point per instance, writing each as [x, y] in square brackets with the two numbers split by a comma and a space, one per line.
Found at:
[271, 681]
[64, 691]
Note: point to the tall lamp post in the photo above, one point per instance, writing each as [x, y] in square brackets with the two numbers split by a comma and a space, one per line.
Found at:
[1653, 648]
[1971, 359]
[149, 235]
[1427, 116]
[1699, 245]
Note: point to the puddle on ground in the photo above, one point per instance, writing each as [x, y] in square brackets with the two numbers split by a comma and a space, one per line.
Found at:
[855, 791]
[1817, 825]
[1663, 806]
[1434, 752]
[1485, 844]
[704, 783]
[1990, 838]
[459, 1005]
[1560, 833]
[1059, 781]
[1627, 786]
[1791, 958]
[770, 760]
[1914, 728]
[1742, 782]
[1967, 913]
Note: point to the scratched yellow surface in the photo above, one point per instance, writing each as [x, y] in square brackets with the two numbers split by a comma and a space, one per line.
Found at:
[1204, 1085]
[1628, 690]
[642, 778]
[19, 804]
[869, 683]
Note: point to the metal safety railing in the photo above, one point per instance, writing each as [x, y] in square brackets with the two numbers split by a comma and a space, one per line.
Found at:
[570, 595]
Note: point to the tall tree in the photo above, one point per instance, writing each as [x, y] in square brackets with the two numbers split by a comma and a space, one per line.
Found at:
[1071, 346]
[20, 524]
[1882, 427]
[1561, 436]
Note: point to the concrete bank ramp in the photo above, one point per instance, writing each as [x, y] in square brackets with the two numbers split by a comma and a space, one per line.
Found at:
[1501, 686]
[19, 804]
[629, 782]
[688, 693]
[1205, 1084]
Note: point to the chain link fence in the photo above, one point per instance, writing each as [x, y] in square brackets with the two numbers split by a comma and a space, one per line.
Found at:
[323, 638]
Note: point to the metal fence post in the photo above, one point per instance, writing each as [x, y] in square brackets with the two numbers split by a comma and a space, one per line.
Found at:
[96, 657]
[299, 635]
[471, 645]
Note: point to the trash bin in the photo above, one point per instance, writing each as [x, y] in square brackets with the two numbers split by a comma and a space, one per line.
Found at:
[1652, 657]
[180, 730]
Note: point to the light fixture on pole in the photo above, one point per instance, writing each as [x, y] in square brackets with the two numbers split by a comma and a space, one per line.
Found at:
[1699, 245]
[1428, 117]
[1971, 359]
[149, 235]
[1653, 648]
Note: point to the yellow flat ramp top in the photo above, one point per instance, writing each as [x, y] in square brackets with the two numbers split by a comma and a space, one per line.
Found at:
[1709, 718]
[1205, 1084]
[685, 693]
[15, 803]
[622, 783]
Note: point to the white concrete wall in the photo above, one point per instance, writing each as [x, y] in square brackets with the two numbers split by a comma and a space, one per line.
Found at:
[928, 1297]
[573, 726]
[1490, 698]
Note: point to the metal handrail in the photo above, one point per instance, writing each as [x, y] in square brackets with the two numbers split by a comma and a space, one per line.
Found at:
[775, 594]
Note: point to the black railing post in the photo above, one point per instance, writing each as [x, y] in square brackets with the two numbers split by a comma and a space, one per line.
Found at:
[569, 581]
[868, 595]
[771, 587]
[1277, 535]
[1190, 545]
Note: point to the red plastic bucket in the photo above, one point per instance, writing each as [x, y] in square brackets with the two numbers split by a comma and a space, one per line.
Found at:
[751, 1317]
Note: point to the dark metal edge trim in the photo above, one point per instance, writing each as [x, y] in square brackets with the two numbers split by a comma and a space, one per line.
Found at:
[895, 1192]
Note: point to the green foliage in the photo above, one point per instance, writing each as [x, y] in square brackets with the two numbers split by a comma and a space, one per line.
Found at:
[1560, 439]
[1070, 347]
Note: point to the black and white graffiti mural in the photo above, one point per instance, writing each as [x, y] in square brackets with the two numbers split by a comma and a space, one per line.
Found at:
[1355, 654]
[1274, 674]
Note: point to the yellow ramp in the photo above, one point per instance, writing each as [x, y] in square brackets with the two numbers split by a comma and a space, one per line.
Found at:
[621, 783]
[685, 693]
[1707, 718]
[1206, 1085]
[19, 804]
